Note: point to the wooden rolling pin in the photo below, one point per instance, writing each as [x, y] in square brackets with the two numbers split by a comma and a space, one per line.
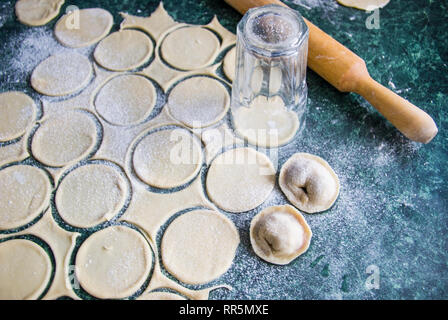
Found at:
[348, 73]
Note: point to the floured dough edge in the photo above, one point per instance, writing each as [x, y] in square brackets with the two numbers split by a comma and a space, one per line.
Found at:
[367, 5]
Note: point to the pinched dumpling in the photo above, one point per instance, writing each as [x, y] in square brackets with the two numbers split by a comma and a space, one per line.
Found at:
[309, 182]
[279, 234]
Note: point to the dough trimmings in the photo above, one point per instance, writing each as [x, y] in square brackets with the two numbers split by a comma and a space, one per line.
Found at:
[37, 12]
[279, 234]
[309, 182]
[18, 111]
[199, 246]
[160, 295]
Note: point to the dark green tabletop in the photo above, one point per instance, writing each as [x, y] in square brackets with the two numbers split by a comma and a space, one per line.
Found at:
[392, 213]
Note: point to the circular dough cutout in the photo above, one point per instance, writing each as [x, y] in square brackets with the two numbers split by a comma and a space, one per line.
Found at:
[113, 263]
[25, 193]
[25, 270]
[190, 48]
[123, 50]
[126, 100]
[160, 295]
[37, 12]
[82, 28]
[167, 158]
[91, 194]
[229, 64]
[240, 179]
[198, 102]
[199, 246]
[309, 182]
[62, 74]
[279, 234]
[367, 5]
[18, 111]
[65, 138]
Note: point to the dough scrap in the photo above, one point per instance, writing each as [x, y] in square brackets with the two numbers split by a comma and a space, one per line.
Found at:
[309, 182]
[37, 12]
[93, 25]
[123, 50]
[113, 263]
[266, 122]
[189, 48]
[160, 295]
[240, 179]
[91, 194]
[25, 193]
[62, 74]
[18, 112]
[126, 100]
[199, 246]
[198, 102]
[367, 5]
[279, 234]
[229, 64]
[25, 270]
[167, 158]
[65, 138]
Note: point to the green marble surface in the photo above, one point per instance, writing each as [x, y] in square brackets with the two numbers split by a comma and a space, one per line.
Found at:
[393, 208]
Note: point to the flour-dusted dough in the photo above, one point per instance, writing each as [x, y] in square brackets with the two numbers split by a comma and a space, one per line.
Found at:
[123, 50]
[65, 138]
[199, 246]
[229, 64]
[62, 74]
[167, 158]
[367, 5]
[198, 102]
[113, 263]
[25, 270]
[37, 12]
[25, 193]
[266, 122]
[309, 182]
[91, 194]
[17, 112]
[279, 234]
[240, 179]
[190, 48]
[160, 295]
[126, 99]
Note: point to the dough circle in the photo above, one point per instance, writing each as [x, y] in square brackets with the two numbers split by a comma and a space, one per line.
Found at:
[82, 28]
[367, 5]
[25, 270]
[190, 48]
[167, 158]
[160, 295]
[91, 194]
[199, 246]
[18, 111]
[65, 138]
[198, 102]
[123, 50]
[309, 182]
[37, 12]
[25, 193]
[229, 64]
[126, 100]
[62, 74]
[113, 263]
[240, 179]
[279, 234]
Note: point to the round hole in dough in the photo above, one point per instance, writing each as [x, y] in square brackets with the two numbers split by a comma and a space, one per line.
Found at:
[25, 270]
[37, 12]
[367, 5]
[309, 182]
[240, 179]
[123, 50]
[199, 246]
[62, 74]
[65, 138]
[229, 64]
[25, 193]
[279, 234]
[198, 102]
[126, 100]
[113, 263]
[17, 111]
[167, 158]
[160, 295]
[81, 28]
[190, 48]
[91, 194]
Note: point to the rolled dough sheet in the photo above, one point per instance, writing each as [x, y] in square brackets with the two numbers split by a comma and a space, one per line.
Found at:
[18, 111]
[229, 64]
[367, 5]
[37, 12]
